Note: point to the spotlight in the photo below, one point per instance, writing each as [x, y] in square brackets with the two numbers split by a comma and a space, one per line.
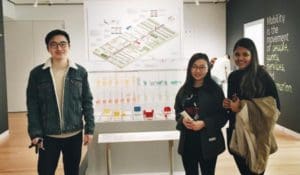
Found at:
[36, 3]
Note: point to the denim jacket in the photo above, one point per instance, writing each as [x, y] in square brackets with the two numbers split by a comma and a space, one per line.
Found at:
[43, 113]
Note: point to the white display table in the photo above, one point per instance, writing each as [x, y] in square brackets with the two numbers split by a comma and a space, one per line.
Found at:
[138, 136]
[109, 138]
[134, 147]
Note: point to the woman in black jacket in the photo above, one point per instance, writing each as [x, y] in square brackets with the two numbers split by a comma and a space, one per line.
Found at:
[250, 81]
[200, 117]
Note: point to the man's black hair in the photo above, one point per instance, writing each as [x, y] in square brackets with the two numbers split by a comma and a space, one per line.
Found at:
[54, 33]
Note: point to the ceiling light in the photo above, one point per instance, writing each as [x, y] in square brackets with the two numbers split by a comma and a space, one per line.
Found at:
[36, 3]
[50, 2]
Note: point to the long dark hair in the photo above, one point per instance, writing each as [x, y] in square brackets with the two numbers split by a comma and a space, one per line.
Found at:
[189, 81]
[250, 84]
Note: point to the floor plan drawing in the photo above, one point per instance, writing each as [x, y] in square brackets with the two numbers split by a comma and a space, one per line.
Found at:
[134, 35]
[135, 42]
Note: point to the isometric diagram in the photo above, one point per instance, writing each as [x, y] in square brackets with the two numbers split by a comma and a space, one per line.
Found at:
[135, 42]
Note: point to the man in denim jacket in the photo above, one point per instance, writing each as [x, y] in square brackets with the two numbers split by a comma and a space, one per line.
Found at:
[58, 99]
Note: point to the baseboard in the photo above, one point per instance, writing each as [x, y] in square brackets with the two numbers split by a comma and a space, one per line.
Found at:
[287, 131]
[4, 135]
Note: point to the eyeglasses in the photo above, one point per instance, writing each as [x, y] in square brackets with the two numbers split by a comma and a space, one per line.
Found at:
[244, 54]
[62, 44]
[201, 68]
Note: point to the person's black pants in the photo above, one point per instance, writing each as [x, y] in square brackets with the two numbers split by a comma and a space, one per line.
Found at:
[243, 167]
[71, 151]
[191, 165]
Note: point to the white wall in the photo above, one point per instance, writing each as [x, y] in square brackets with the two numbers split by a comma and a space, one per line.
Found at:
[205, 29]
[24, 49]
[25, 46]
[8, 10]
[204, 32]
[72, 15]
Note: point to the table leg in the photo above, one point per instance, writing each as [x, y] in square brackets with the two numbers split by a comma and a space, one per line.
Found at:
[171, 143]
[108, 158]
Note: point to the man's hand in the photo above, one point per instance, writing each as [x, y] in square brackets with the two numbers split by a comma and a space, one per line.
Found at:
[37, 143]
[88, 138]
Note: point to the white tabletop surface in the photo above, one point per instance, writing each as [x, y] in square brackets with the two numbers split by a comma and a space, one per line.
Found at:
[138, 136]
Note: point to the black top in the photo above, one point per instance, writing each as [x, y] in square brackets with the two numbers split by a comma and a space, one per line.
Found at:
[234, 80]
[191, 104]
[203, 103]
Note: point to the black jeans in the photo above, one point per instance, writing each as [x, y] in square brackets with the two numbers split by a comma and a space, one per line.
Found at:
[71, 151]
[191, 167]
[243, 167]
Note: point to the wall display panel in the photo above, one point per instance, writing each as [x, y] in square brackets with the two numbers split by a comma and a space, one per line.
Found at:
[281, 48]
[282, 52]
[117, 96]
[134, 34]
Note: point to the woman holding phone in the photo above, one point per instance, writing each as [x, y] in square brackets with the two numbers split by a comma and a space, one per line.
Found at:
[249, 83]
[200, 117]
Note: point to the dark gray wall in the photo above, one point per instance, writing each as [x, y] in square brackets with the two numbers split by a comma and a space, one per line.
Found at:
[3, 98]
[240, 12]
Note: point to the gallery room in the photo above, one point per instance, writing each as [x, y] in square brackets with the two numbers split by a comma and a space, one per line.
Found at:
[150, 87]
